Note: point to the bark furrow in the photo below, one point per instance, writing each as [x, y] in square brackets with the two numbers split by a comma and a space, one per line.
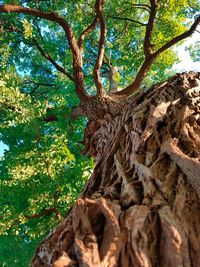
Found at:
[140, 206]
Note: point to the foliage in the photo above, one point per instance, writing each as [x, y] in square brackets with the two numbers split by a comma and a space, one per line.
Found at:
[43, 171]
[194, 51]
[42, 168]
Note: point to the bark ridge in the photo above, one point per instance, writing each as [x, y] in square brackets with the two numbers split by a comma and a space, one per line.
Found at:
[140, 206]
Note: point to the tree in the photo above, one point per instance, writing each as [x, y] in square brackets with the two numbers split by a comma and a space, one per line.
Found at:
[124, 205]
[42, 172]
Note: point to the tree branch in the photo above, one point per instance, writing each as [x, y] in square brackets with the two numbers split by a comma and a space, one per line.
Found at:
[47, 56]
[128, 19]
[28, 81]
[50, 59]
[51, 16]
[149, 28]
[150, 59]
[87, 31]
[39, 32]
[37, 85]
[139, 78]
[139, 5]
[179, 37]
[41, 214]
[99, 61]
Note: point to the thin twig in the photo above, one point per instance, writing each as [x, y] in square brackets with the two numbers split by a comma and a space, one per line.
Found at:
[128, 19]
[138, 5]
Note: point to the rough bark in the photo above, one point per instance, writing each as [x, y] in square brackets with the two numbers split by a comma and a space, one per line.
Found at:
[140, 206]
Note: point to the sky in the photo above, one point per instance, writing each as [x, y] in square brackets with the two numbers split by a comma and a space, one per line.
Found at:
[2, 147]
[186, 64]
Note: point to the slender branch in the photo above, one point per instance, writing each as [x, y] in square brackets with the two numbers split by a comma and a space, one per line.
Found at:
[110, 74]
[2, 217]
[87, 31]
[149, 28]
[48, 211]
[39, 32]
[128, 19]
[101, 49]
[51, 16]
[179, 37]
[28, 81]
[120, 34]
[10, 28]
[149, 58]
[50, 59]
[139, 78]
[83, 35]
[41, 214]
[37, 85]
[47, 56]
[139, 5]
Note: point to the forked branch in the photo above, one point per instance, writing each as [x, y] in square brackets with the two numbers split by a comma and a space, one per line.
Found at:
[51, 16]
[12, 28]
[150, 57]
[87, 31]
[77, 46]
[84, 34]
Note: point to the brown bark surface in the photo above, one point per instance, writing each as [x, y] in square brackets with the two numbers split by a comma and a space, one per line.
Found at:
[140, 206]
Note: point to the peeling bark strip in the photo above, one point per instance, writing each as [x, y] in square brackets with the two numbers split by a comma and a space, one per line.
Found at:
[140, 207]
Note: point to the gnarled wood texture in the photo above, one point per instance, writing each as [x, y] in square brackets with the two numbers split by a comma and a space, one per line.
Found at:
[140, 206]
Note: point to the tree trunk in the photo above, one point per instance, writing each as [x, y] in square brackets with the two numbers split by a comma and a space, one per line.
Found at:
[140, 206]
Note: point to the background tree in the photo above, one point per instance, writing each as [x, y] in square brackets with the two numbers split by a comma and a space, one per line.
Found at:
[116, 42]
[42, 166]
